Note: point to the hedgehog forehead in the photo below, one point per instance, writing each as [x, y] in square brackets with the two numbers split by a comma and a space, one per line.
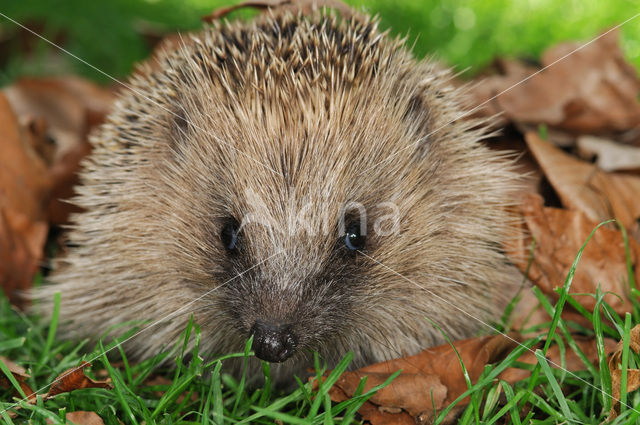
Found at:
[304, 138]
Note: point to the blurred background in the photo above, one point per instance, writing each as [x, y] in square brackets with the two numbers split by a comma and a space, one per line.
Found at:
[112, 35]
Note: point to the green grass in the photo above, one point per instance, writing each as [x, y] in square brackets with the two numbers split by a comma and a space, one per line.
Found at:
[218, 397]
[463, 33]
[550, 395]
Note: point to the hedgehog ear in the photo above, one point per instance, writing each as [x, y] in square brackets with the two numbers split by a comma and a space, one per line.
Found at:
[416, 115]
[416, 112]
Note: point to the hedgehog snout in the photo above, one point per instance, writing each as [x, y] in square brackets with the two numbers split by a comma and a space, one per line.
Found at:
[273, 342]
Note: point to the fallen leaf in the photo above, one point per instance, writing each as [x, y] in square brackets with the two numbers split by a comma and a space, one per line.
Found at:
[409, 391]
[582, 186]
[554, 357]
[610, 156]
[21, 243]
[20, 374]
[63, 110]
[74, 379]
[433, 379]
[374, 414]
[24, 185]
[593, 90]
[430, 379]
[559, 234]
[69, 105]
[82, 418]
[633, 375]
[24, 193]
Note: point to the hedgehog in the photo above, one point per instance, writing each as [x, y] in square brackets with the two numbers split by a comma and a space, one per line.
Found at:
[301, 180]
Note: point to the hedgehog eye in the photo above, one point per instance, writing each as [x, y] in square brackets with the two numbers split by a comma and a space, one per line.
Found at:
[229, 234]
[353, 238]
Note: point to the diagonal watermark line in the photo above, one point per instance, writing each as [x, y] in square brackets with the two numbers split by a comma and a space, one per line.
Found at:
[167, 317]
[435, 295]
[216, 138]
[471, 111]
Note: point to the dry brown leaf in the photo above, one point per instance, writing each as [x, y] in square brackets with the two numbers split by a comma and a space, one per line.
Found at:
[377, 416]
[24, 192]
[633, 383]
[432, 378]
[21, 243]
[571, 361]
[24, 185]
[559, 235]
[69, 105]
[409, 391]
[610, 155]
[594, 90]
[20, 374]
[74, 379]
[303, 6]
[582, 186]
[82, 418]
[63, 110]
[633, 375]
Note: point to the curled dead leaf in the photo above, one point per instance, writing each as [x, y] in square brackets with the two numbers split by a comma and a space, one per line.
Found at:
[409, 391]
[430, 379]
[21, 243]
[592, 90]
[582, 186]
[62, 111]
[74, 379]
[20, 374]
[24, 186]
[633, 375]
[24, 193]
[559, 234]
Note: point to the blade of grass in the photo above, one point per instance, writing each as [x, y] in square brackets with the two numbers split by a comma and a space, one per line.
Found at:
[625, 362]
[53, 326]
[555, 387]
[324, 386]
[12, 343]
[240, 390]
[12, 379]
[465, 373]
[565, 332]
[118, 387]
[512, 401]
[605, 375]
[218, 408]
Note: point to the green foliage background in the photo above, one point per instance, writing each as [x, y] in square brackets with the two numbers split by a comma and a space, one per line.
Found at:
[463, 33]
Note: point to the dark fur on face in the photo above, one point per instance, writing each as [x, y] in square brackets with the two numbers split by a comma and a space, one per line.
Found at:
[280, 126]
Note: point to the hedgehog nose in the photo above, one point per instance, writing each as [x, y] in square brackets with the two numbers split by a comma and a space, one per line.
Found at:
[273, 343]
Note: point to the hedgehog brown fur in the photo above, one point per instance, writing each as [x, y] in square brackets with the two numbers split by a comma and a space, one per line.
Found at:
[279, 123]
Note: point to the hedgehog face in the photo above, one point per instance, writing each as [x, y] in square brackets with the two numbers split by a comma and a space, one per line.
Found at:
[300, 288]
